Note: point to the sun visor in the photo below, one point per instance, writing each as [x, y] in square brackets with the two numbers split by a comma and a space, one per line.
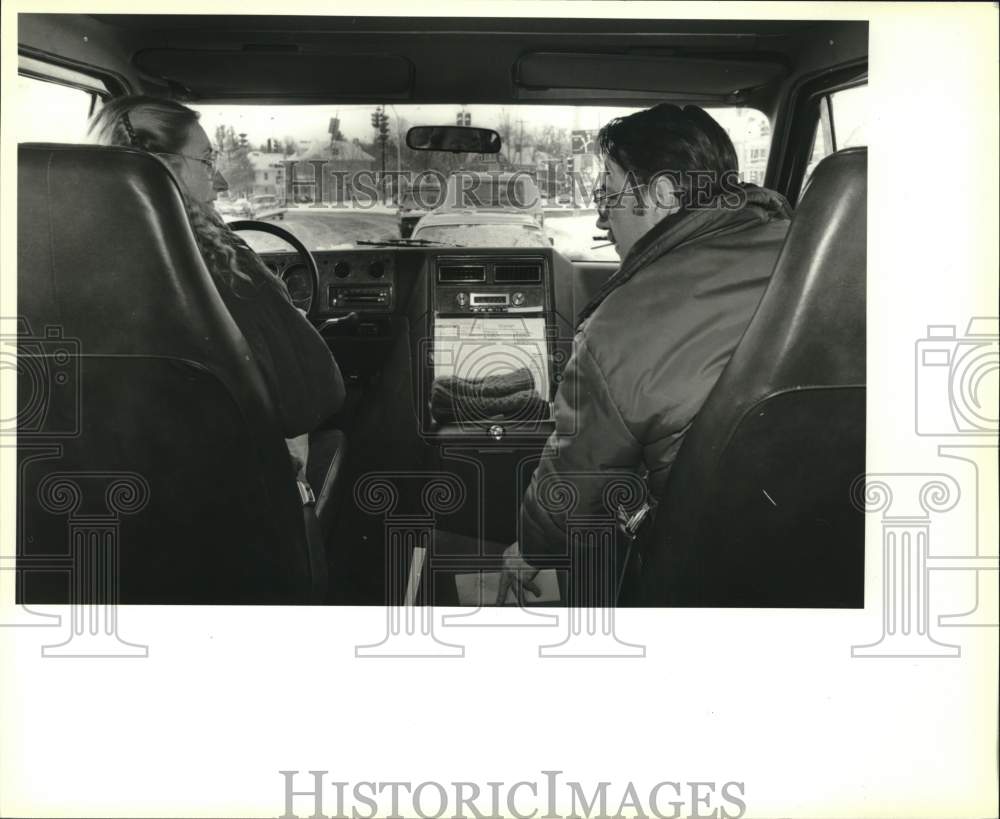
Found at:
[264, 74]
[702, 76]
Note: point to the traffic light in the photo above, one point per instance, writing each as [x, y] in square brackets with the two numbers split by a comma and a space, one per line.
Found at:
[570, 164]
[468, 119]
[463, 118]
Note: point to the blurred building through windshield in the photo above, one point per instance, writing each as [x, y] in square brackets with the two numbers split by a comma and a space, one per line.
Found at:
[280, 150]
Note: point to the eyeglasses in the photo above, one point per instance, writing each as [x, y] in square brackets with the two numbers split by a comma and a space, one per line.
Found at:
[210, 162]
[601, 196]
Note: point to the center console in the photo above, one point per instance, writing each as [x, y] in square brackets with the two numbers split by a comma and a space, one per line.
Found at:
[490, 347]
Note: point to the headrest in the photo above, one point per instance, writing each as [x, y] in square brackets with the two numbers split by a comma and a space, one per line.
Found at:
[809, 329]
[106, 252]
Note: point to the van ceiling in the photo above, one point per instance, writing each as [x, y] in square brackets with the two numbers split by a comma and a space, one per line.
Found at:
[217, 58]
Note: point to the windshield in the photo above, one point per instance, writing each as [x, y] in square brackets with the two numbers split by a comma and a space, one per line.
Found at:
[492, 191]
[338, 175]
[423, 197]
[479, 235]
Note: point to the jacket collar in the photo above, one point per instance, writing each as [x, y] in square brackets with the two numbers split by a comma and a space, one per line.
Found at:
[759, 206]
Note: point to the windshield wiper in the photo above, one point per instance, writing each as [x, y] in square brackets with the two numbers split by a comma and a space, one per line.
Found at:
[405, 243]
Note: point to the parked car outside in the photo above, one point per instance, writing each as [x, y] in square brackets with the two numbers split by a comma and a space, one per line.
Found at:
[415, 204]
[266, 206]
[494, 191]
[468, 228]
[233, 208]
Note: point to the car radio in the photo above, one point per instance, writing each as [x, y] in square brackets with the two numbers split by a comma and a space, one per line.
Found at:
[490, 300]
[362, 297]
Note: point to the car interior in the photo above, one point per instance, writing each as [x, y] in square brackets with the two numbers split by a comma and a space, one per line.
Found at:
[151, 466]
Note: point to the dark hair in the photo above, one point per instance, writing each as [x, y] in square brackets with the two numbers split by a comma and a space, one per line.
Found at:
[158, 126]
[685, 144]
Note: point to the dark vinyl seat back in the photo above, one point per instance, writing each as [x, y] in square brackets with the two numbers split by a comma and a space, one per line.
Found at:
[757, 510]
[139, 401]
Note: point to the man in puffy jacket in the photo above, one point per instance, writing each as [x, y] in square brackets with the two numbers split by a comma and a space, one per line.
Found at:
[697, 250]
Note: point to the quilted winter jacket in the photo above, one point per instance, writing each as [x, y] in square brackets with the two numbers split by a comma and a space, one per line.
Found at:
[647, 352]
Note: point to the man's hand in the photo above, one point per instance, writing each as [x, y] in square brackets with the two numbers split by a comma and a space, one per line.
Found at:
[517, 574]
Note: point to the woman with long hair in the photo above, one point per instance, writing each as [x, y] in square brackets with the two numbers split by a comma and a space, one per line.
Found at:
[304, 380]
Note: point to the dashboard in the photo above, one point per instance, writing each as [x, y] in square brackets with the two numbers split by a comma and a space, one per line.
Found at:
[444, 313]
[345, 280]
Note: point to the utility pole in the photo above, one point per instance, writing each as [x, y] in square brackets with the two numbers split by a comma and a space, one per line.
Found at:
[380, 122]
[399, 155]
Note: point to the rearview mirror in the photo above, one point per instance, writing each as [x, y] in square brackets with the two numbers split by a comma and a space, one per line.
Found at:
[453, 138]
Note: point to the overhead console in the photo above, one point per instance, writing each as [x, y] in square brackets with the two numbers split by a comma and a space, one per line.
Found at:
[489, 363]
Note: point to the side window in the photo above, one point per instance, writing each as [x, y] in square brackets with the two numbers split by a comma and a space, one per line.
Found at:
[52, 112]
[843, 117]
[750, 131]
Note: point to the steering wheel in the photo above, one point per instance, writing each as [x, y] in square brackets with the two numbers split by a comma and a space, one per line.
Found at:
[290, 238]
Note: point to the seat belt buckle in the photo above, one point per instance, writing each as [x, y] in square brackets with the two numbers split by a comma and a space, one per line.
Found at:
[631, 523]
[306, 493]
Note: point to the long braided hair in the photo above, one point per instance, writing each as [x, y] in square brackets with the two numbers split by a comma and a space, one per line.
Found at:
[160, 125]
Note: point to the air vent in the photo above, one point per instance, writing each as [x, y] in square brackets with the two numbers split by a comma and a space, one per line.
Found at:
[454, 273]
[519, 273]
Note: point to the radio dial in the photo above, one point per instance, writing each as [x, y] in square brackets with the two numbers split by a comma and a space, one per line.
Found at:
[517, 299]
[462, 300]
